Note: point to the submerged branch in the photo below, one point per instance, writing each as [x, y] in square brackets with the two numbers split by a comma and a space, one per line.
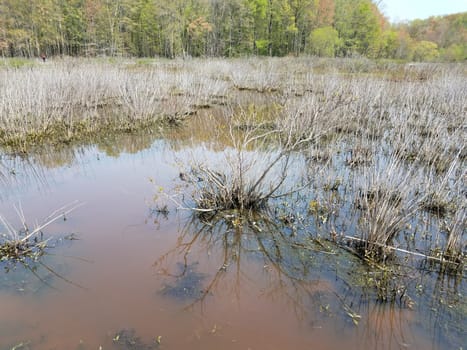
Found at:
[428, 257]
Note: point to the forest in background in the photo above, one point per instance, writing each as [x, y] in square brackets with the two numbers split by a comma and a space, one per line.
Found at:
[226, 28]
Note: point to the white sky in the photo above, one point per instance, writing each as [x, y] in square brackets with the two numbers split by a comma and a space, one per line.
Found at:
[401, 10]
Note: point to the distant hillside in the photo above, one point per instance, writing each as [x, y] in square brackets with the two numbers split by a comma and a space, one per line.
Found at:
[449, 33]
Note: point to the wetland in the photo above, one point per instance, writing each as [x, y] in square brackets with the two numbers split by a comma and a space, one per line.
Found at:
[237, 204]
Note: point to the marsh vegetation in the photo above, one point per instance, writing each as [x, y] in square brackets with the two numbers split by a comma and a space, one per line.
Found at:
[27, 244]
[335, 187]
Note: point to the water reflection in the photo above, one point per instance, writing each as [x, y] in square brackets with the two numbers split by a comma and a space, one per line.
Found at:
[443, 295]
[41, 168]
[115, 145]
[44, 273]
[261, 248]
[386, 327]
[46, 169]
[19, 173]
[316, 280]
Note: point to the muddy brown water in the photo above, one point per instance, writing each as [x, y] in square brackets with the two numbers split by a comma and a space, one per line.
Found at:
[162, 279]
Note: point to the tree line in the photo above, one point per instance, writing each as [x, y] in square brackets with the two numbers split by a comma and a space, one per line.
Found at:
[171, 28]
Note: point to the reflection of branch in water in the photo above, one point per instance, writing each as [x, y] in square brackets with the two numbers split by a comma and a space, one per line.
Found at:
[386, 298]
[63, 278]
[385, 327]
[42, 280]
[20, 171]
[237, 238]
[383, 321]
[448, 307]
[3, 171]
[27, 247]
[377, 299]
[34, 267]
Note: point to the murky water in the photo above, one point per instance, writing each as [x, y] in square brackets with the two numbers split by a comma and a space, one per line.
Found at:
[133, 278]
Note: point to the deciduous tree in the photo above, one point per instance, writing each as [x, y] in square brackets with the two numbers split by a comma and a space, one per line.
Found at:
[324, 41]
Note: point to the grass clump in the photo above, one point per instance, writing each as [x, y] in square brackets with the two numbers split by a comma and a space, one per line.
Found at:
[386, 203]
[218, 191]
[27, 244]
[455, 248]
[241, 186]
[18, 250]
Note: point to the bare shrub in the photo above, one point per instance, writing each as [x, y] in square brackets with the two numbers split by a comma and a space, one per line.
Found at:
[68, 98]
[248, 174]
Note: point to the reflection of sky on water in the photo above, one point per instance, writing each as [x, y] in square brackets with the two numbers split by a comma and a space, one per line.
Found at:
[46, 173]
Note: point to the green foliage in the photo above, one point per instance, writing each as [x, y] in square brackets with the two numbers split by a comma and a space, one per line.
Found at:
[425, 51]
[174, 28]
[16, 62]
[455, 53]
[449, 33]
[262, 46]
[388, 44]
[75, 25]
[324, 41]
[360, 29]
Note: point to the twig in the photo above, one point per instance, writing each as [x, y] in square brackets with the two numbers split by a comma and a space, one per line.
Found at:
[53, 219]
[442, 260]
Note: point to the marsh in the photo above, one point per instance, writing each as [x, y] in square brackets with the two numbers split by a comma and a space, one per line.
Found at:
[344, 250]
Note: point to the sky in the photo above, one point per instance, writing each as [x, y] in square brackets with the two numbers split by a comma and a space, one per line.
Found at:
[401, 10]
